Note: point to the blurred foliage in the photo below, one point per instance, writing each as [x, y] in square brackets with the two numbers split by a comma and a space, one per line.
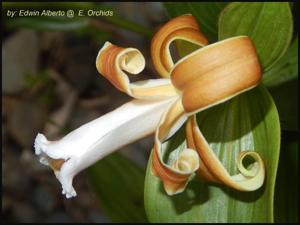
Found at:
[49, 23]
[32, 80]
[119, 184]
[48, 97]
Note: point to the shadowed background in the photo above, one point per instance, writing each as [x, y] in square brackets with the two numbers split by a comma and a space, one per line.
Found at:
[50, 84]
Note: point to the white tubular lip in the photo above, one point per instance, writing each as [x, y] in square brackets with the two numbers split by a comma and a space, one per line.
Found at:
[98, 138]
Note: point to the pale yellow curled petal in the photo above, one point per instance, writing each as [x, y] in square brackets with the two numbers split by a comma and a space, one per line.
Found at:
[113, 61]
[175, 176]
[216, 73]
[249, 179]
[183, 27]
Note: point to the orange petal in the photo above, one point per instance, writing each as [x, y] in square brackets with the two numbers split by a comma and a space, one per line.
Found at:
[182, 27]
[175, 176]
[216, 73]
[212, 168]
[203, 171]
[112, 61]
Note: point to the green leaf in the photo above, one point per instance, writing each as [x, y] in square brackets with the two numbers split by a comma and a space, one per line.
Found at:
[286, 99]
[268, 24]
[285, 69]
[242, 123]
[295, 6]
[118, 184]
[286, 191]
[282, 81]
[206, 13]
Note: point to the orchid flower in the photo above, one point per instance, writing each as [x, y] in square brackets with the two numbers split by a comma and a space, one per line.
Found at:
[204, 78]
